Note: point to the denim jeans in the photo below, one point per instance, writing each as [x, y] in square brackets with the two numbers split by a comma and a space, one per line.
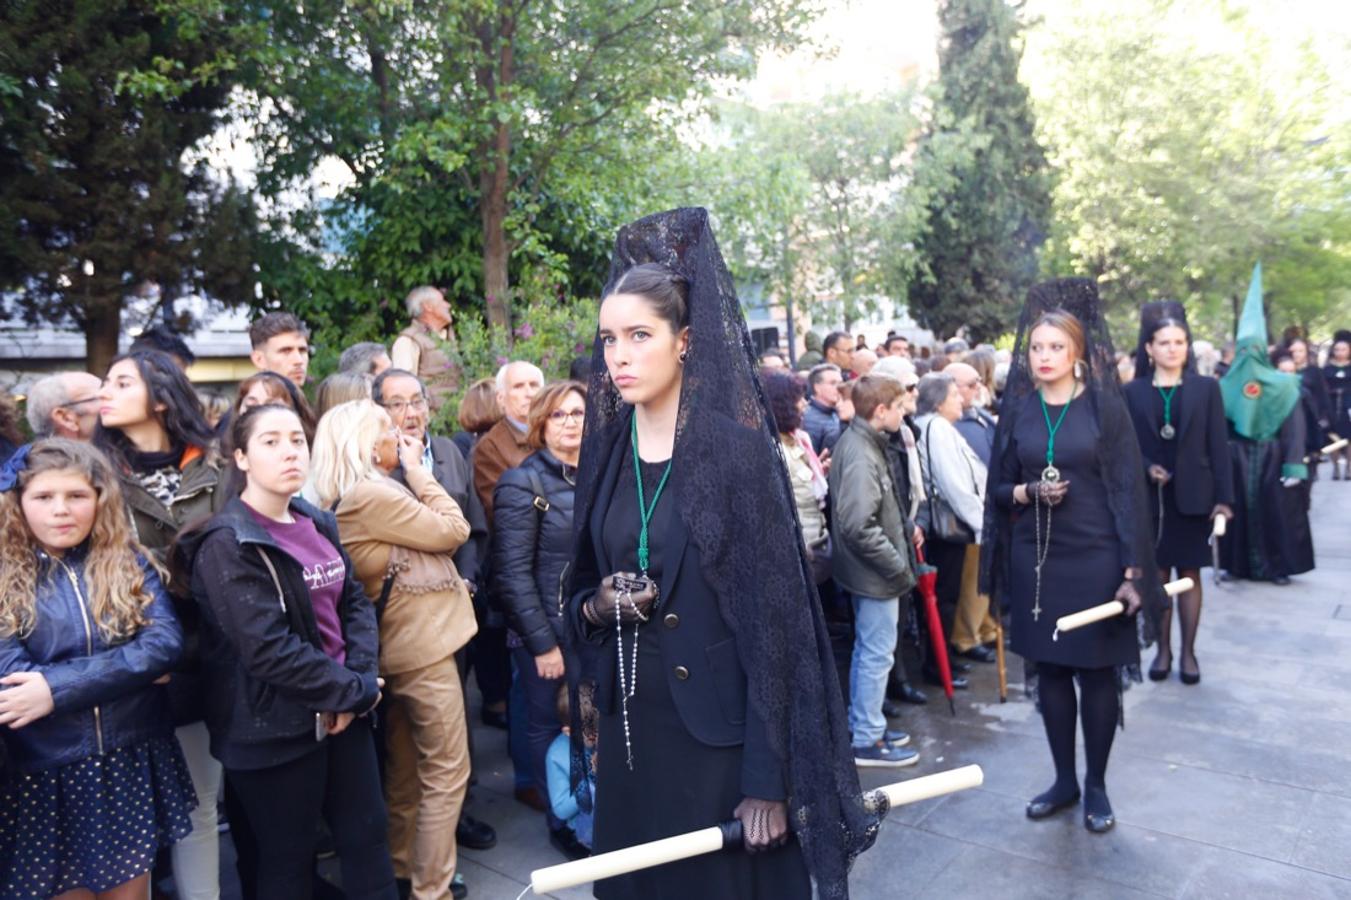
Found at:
[875, 620]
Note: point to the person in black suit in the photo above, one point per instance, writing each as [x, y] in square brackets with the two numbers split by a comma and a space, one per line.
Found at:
[1179, 420]
[692, 607]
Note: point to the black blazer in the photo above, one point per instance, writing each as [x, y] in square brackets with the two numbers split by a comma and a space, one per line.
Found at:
[698, 648]
[1203, 477]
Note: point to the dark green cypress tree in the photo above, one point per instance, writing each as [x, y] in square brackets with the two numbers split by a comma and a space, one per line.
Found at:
[99, 99]
[989, 208]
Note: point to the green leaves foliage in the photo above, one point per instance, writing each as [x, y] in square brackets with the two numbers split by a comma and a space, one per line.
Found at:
[985, 177]
[1191, 143]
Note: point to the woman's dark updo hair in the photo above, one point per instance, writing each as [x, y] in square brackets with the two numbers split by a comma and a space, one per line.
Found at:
[667, 291]
[182, 418]
[783, 392]
[1169, 322]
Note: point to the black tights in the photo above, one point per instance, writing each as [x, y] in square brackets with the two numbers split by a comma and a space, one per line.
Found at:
[1099, 708]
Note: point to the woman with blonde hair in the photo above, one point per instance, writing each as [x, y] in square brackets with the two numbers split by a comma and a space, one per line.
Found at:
[401, 540]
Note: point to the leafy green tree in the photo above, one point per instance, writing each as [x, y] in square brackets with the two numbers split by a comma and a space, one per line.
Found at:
[528, 119]
[986, 176]
[803, 196]
[1190, 145]
[99, 100]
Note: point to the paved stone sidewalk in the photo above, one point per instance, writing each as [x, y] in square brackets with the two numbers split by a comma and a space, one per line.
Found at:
[1237, 787]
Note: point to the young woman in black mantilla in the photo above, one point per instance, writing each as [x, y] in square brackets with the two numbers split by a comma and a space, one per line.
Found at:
[1069, 529]
[692, 603]
[1179, 421]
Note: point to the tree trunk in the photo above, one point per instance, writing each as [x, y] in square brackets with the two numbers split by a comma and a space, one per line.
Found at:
[493, 215]
[496, 75]
[102, 325]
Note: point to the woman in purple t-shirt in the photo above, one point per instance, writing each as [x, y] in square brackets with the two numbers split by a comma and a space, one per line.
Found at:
[289, 649]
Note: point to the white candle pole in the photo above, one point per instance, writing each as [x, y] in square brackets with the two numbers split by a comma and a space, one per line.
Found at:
[1112, 608]
[710, 840]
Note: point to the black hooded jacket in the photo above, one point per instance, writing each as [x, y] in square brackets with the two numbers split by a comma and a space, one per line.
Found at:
[267, 676]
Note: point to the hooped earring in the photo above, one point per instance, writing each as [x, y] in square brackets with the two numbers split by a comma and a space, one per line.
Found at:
[684, 355]
[1080, 373]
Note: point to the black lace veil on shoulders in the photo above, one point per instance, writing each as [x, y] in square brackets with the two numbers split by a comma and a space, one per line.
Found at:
[1119, 458]
[735, 500]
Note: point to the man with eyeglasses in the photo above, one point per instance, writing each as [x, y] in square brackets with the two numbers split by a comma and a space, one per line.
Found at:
[404, 397]
[973, 628]
[64, 405]
[976, 425]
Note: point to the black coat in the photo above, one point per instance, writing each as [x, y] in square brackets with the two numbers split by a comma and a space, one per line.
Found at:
[696, 643]
[1203, 477]
[267, 676]
[532, 547]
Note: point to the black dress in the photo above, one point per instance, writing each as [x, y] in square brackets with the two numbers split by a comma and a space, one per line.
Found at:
[1183, 541]
[1338, 379]
[1084, 563]
[677, 783]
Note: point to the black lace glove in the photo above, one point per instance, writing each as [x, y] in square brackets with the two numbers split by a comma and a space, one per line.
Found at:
[618, 591]
[764, 823]
[1050, 493]
[1129, 597]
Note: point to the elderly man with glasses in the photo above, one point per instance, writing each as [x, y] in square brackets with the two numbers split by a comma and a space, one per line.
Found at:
[64, 405]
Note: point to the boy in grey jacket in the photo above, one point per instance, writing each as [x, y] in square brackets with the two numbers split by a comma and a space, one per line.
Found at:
[872, 563]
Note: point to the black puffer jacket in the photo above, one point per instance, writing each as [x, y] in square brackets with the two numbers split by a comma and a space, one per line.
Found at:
[266, 673]
[532, 547]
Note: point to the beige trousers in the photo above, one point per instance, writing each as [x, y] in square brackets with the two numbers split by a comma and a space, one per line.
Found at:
[973, 623]
[426, 774]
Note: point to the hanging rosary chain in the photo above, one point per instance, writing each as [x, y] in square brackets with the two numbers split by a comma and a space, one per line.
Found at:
[1042, 550]
[1158, 540]
[628, 681]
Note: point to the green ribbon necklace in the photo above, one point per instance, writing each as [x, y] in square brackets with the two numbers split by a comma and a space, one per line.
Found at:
[1167, 432]
[1051, 473]
[644, 511]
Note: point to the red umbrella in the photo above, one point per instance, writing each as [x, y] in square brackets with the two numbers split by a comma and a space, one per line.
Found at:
[928, 579]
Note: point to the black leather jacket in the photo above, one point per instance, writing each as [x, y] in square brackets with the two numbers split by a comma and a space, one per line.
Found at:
[266, 672]
[532, 547]
[103, 695]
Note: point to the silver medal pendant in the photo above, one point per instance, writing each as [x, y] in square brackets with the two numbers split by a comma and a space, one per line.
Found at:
[1167, 432]
[1050, 473]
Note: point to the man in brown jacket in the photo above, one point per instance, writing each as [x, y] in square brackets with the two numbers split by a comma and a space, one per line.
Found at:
[504, 446]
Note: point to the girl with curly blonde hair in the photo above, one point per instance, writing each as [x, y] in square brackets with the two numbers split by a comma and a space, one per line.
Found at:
[86, 630]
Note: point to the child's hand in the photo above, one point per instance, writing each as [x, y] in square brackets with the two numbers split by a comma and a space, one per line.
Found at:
[26, 697]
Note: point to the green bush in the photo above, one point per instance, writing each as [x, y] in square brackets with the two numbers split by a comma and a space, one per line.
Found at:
[550, 334]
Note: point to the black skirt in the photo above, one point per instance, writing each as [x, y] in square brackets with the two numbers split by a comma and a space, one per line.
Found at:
[677, 784]
[1183, 542]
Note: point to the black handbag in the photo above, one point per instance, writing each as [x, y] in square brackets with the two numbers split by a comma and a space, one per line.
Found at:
[939, 520]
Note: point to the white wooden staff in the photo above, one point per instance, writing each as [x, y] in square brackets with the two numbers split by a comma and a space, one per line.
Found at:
[1330, 448]
[1219, 525]
[1112, 608]
[728, 834]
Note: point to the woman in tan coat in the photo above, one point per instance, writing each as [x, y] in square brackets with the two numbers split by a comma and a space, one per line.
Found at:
[401, 541]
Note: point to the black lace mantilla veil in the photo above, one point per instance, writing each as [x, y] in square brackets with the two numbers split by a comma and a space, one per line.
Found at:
[735, 500]
[1118, 454]
[1151, 314]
